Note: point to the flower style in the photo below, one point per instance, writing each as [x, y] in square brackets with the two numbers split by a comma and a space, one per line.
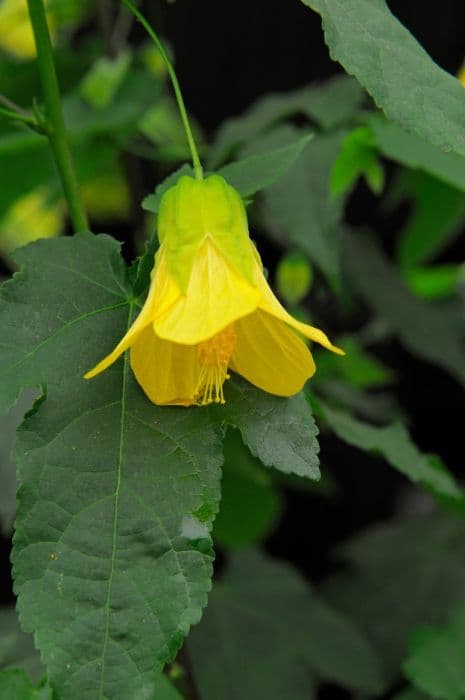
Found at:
[210, 309]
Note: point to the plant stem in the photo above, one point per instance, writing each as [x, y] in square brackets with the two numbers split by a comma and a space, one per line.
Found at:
[56, 124]
[177, 90]
[191, 688]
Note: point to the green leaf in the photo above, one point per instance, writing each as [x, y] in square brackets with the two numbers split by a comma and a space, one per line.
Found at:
[294, 277]
[425, 330]
[410, 694]
[435, 282]
[394, 443]
[437, 219]
[112, 552]
[387, 60]
[164, 690]
[16, 647]
[398, 576]
[250, 504]
[162, 126]
[101, 83]
[436, 663]
[359, 368]
[412, 151]
[15, 684]
[265, 620]
[299, 209]
[358, 157]
[8, 425]
[330, 105]
[280, 432]
[257, 172]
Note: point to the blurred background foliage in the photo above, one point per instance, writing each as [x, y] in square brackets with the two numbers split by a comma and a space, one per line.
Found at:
[354, 585]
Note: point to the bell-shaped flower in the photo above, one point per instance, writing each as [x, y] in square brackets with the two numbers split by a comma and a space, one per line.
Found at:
[210, 309]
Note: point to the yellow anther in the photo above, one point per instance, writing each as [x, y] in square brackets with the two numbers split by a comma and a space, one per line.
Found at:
[214, 355]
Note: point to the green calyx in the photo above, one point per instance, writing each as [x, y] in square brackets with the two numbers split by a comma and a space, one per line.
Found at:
[193, 210]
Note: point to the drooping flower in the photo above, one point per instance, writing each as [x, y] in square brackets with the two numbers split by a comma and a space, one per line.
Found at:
[210, 309]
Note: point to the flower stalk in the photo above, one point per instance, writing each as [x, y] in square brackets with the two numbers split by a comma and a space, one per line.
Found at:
[198, 170]
[56, 130]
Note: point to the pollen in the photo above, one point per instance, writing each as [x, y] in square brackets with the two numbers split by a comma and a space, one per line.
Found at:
[214, 355]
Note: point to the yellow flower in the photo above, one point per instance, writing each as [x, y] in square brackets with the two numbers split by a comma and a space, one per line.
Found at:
[34, 215]
[210, 309]
[16, 35]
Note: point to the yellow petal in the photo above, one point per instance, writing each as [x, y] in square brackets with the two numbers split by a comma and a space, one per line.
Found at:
[167, 372]
[216, 296]
[162, 294]
[270, 355]
[271, 305]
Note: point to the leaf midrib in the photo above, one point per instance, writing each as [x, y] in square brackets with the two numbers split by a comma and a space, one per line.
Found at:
[115, 514]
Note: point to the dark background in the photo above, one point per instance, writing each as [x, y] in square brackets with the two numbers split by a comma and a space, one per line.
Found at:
[227, 55]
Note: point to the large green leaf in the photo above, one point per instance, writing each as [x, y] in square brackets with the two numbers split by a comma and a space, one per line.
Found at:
[112, 555]
[436, 663]
[280, 432]
[394, 443]
[267, 634]
[426, 330]
[387, 60]
[17, 651]
[399, 576]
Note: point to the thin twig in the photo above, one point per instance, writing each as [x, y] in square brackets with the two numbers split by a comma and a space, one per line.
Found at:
[6, 102]
[105, 13]
[123, 25]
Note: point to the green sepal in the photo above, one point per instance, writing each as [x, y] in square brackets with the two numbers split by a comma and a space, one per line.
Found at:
[194, 209]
